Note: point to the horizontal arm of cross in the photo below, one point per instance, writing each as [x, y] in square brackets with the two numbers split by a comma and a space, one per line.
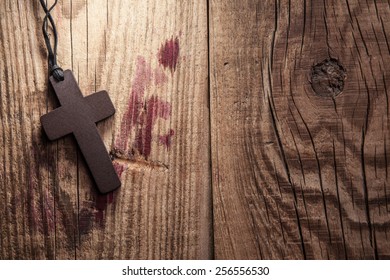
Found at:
[101, 105]
[55, 125]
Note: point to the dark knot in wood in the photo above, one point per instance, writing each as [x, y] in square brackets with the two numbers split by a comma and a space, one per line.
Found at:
[327, 78]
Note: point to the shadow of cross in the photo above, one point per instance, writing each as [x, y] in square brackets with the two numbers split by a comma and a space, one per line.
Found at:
[78, 115]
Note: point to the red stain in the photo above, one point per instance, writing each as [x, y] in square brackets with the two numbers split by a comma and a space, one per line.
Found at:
[102, 201]
[159, 77]
[119, 168]
[167, 138]
[141, 81]
[168, 54]
[141, 115]
[155, 108]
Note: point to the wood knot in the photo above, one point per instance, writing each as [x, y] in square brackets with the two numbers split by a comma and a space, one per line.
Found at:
[327, 78]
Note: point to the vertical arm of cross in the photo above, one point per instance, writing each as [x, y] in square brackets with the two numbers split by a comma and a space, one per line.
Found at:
[68, 90]
[97, 158]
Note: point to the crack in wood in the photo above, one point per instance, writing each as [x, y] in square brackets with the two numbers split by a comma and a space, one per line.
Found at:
[129, 161]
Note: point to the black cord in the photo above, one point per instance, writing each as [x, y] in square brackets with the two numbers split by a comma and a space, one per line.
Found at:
[54, 69]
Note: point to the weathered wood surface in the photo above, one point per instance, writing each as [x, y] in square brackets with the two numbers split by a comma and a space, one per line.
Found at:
[299, 172]
[280, 154]
[151, 57]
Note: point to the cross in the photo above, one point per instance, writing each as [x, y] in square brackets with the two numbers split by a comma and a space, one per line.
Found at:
[78, 115]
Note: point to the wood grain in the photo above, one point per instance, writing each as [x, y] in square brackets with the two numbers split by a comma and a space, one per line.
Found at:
[151, 57]
[27, 167]
[244, 130]
[300, 171]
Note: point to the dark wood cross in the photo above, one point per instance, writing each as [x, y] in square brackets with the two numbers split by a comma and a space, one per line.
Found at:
[78, 115]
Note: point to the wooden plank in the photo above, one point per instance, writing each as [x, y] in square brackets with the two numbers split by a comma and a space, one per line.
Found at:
[300, 170]
[152, 59]
[27, 176]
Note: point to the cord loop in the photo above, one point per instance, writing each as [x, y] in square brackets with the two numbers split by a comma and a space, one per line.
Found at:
[54, 69]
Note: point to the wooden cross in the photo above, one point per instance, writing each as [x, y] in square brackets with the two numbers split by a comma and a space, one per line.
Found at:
[78, 115]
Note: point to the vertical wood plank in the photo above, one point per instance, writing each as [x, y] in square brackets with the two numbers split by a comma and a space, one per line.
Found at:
[152, 59]
[300, 169]
[27, 167]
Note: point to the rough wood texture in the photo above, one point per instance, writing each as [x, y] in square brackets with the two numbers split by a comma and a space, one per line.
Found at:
[287, 150]
[299, 170]
[151, 57]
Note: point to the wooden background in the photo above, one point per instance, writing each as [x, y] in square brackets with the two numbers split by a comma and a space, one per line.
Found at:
[244, 130]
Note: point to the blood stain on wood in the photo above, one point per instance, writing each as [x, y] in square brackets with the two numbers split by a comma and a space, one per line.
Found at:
[119, 168]
[159, 77]
[102, 201]
[155, 108]
[141, 80]
[168, 54]
[94, 215]
[141, 115]
[166, 139]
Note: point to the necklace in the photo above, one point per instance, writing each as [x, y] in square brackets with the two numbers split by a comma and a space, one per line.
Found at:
[78, 115]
